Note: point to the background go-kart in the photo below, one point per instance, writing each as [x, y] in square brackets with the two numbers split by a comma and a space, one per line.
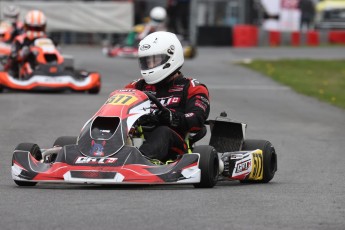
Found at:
[307, 192]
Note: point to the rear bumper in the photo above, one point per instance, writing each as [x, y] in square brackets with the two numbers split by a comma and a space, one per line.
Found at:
[48, 83]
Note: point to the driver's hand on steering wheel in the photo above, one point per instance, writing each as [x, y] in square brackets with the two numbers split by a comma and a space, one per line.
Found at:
[149, 119]
[165, 116]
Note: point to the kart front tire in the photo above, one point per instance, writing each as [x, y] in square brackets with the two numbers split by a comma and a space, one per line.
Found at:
[65, 140]
[209, 166]
[35, 151]
[269, 158]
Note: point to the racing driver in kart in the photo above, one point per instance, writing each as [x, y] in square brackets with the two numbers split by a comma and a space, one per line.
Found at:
[34, 27]
[11, 16]
[187, 101]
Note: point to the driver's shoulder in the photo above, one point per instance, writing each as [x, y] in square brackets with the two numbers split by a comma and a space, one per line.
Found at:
[136, 84]
[196, 87]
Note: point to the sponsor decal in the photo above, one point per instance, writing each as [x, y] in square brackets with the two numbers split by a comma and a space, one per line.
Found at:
[97, 149]
[43, 42]
[145, 47]
[121, 99]
[95, 160]
[127, 90]
[204, 99]
[236, 156]
[169, 100]
[243, 166]
[176, 88]
[200, 104]
[52, 80]
[189, 115]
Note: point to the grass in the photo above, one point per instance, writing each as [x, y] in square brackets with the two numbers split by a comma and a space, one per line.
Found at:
[322, 79]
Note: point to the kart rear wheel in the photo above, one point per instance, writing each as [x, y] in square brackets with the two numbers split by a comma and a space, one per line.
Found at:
[35, 151]
[269, 158]
[65, 140]
[1, 88]
[94, 90]
[209, 166]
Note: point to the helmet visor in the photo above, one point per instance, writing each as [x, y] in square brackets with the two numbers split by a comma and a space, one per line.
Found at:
[150, 62]
[35, 28]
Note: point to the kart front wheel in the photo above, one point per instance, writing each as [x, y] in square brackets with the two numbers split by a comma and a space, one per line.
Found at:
[209, 166]
[35, 151]
[269, 158]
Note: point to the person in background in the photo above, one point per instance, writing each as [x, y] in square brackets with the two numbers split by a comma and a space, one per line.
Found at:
[307, 8]
[34, 27]
[11, 16]
[157, 22]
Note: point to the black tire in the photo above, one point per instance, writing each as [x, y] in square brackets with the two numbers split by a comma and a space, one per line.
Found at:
[269, 158]
[65, 140]
[35, 151]
[1, 88]
[209, 166]
[94, 90]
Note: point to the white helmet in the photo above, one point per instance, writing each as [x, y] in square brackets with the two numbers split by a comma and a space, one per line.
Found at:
[35, 23]
[160, 55]
[11, 12]
[158, 14]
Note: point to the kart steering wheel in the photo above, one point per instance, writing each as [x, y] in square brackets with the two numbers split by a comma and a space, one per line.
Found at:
[151, 119]
[155, 101]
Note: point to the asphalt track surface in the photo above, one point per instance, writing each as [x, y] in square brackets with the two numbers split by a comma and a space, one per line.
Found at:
[309, 136]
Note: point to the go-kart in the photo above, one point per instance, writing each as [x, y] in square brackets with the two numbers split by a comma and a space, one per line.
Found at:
[107, 151]
[43, 68]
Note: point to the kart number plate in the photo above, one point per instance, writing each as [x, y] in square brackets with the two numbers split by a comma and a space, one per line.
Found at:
[121, 99]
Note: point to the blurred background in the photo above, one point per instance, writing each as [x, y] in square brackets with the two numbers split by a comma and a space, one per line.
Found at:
[242, 23]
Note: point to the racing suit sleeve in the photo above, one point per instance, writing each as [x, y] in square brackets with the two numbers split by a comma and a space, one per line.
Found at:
[197, 109]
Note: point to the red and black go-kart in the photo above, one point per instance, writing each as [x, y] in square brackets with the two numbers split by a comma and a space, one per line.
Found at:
[106, 151]
[45, 69]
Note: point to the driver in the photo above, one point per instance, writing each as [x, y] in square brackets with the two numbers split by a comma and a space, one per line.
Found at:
[187, 100]
[11, 16]
[34, 27]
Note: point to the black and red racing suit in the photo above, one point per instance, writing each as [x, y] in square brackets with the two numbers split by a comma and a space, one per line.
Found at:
[189, 101]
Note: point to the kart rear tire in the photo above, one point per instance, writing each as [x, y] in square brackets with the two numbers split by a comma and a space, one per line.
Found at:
[94, 90]
[65, 140]
[209, 166]
[269, 159]
[1, 88]
[35, 151]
